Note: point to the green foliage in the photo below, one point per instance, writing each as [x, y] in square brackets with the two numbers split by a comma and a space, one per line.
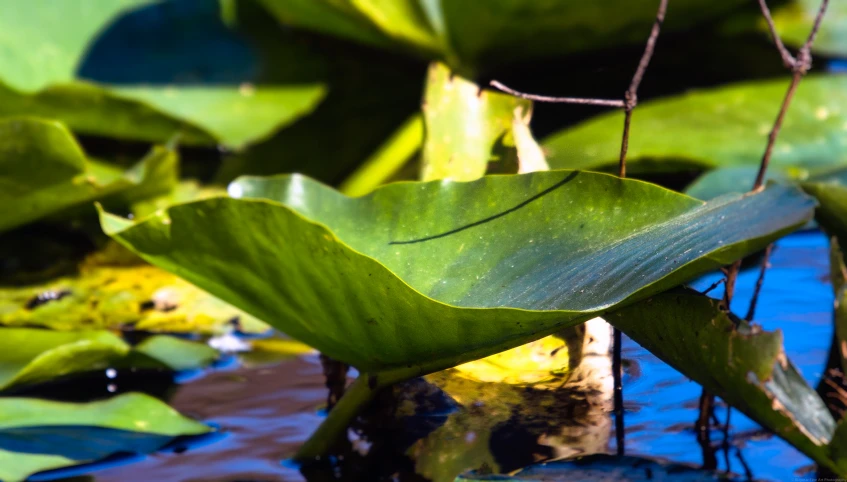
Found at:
[48, 432]
[33, 356]
[737, 361]
[44, 43]
[431, 257]
[721, 127]
[43, 171]
[473, 35]
[794, 19]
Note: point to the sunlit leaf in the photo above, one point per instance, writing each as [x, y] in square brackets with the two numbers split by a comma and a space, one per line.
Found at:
[466, 269]
[794, 22]
[38, 435]
[720, 127]
[114, 289]
[45, 42]
[175, 353]
[736, 361]
[473, 35]
[43, 170]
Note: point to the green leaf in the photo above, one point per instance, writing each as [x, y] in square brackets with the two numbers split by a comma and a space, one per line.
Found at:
[175, 353]
[473, 35]
[794, 22]
[466, 127]
[29, 356]
[736, 361]
[721, 127]
[45, 42]
[605, 467]
[132, 421]
[466, 269]
[830, 189]
[43, 171]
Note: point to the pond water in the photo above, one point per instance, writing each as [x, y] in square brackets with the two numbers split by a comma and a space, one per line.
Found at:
[265, 410]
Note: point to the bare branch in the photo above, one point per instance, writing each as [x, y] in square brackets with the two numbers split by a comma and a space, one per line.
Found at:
[631, 96]
[799, 66]
[787, 59]
[562, 100]
[751, 311]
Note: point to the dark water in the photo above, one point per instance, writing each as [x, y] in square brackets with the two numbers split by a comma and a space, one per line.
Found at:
[265, 411]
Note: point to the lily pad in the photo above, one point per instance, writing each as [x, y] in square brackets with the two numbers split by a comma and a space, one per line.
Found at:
[45, 42]
[31, 356]
[473, 35]
[720, 127]
[736, 361]
[468, 269]
[114, 289]
[43, 170]
[38, 435]
[603, 468]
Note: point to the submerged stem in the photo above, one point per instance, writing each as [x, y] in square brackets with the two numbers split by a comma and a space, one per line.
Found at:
[356, 398]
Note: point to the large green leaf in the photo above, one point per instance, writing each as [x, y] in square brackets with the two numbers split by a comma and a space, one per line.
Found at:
[43, 170]
[721, 127]
[30, 356]
[38, 435]
[45, 42]
[739, 362]
[418, 277]
[469, 35]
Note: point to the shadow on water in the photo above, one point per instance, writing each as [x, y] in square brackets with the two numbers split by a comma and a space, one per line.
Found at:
[434, 429]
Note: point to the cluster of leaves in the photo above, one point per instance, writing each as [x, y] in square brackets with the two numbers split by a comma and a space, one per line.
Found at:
[414, 277]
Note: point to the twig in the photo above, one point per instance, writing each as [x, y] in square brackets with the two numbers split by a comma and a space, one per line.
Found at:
[799, 66]
[557, 100]
[751, 311]
[631, 96]
[713, 286]
[729, 290]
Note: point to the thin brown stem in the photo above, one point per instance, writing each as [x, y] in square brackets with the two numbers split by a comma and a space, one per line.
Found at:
[777, 126]
[561, 100]
[787, 59]
[705, 410]
[799, 66]
[751, 311]
[729, 289]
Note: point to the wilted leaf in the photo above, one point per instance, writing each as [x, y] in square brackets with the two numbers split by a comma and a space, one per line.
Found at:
[736, 361]
[466, 127]
[467, 269]
[38, 435]
[44, 44]
[721, 127]
[43, 170]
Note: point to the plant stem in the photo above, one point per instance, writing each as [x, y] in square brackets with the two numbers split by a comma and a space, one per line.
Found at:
[618, 394]
[387, 160]
[751, 311]
[335, 375]
[357, 397]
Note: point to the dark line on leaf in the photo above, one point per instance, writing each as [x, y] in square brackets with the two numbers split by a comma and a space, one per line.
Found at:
[550, 189]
